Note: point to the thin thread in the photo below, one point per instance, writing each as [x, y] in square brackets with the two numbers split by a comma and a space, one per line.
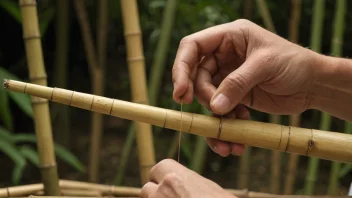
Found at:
[180, 134]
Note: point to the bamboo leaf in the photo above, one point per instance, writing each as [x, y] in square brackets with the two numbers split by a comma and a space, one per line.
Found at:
[69, 158]
[17, 173]
[23, 101]
[45, 19]
[30, 154]
[5, 113]
[22, 137]
[60, 151]
[12, 8]
[11, 151]
[6, 135]
[345, 170]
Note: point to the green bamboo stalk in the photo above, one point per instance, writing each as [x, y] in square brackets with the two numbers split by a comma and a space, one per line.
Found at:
[276, 156]
[317, 29]
[294, 119]
[61, 119]
[160, 55]
[126, 150]
[200, 151]
[336, 44]
[37, 75]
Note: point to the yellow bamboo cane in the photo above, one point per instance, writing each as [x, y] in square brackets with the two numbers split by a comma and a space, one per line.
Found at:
[309, 142]
[37, 75]
[136, 68]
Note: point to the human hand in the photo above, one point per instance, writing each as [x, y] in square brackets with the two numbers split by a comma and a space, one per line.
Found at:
[170, 179]
[242, 63]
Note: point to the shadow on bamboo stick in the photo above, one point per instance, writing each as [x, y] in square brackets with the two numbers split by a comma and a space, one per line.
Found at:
[310, 142]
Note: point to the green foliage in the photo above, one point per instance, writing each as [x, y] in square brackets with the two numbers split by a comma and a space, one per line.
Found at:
[16, 147]
[13, 9]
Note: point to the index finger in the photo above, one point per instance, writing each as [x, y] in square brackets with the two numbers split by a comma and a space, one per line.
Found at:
[191, 49]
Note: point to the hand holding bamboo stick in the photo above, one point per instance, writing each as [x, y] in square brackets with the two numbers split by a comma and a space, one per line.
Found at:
[315, 143]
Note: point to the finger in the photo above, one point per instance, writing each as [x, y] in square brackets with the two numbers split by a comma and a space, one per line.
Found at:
[164, 167]
[220, 147]
[237, 149]
[204, 89]
[191, 49]
[236, 85]
[148, 189]
[242, 112]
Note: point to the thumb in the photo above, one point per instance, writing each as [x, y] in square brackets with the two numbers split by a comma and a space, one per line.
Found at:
[236, 86]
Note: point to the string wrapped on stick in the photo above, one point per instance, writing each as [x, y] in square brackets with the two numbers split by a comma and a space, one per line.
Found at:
[309, 142]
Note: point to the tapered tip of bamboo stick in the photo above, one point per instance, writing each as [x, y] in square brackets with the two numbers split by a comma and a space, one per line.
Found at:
[6, 83]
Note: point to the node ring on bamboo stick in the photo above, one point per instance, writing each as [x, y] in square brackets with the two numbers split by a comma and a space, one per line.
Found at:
[35, 78]
[135, 59]
[137, 33]
[47, 166]
[288, 141]
[220, 128]
[34, 3]
[310, 142]
[31, 37]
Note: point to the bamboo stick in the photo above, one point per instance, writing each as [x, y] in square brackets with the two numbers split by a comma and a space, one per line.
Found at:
[316, 40]
[337, 44]
[37, 75]
[105, 190]
[310, 142]
[136, 67]
[75, 192]
[294, 119]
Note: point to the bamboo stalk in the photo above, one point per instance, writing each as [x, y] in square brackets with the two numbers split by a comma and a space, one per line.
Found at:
[158, 65]
[37, 75]
[136, 67]
[275, 156]
[60, 118]
[294, 119]
[126, 150]
[317, 29]
[336, 43]
[310, 142]
[96, 63]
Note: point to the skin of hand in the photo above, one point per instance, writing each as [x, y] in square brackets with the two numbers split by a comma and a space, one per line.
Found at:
[242, 63]
[170, 179]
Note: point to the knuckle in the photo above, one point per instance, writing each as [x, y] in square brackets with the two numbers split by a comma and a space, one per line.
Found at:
[184, 41]
[238, 81]
[145, 190]
[163, 163]
[172, 180]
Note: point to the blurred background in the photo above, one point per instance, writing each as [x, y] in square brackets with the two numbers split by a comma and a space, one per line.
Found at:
[163, 24]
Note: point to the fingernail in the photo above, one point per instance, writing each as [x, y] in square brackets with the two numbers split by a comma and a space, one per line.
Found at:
[221, 103]
[215, 149]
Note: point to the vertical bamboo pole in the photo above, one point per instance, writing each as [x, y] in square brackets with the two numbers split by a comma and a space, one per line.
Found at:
[294, 119]
[96, 63]
[37, 75]
[136, 67]
[336, 44]
[317, 30]
[276, 155]
[61, 120]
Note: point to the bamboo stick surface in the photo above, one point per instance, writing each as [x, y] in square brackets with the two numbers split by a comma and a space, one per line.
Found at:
[107, 190]
[310, 142]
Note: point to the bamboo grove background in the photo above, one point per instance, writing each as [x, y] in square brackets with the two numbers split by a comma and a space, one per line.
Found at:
[95, 47]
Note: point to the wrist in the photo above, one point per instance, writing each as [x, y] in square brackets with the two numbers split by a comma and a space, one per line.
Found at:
[331, 90]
